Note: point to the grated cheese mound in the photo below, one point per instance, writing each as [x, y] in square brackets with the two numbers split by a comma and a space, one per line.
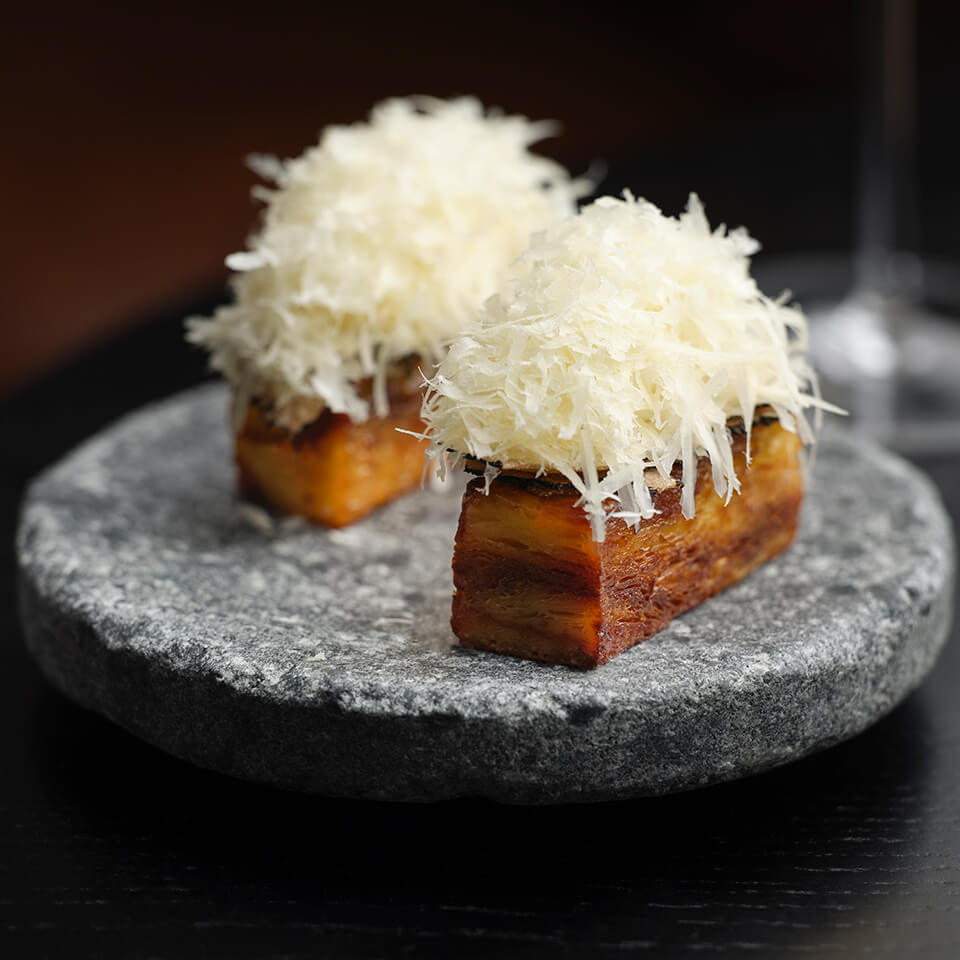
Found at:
[376, 244]
[621, 342]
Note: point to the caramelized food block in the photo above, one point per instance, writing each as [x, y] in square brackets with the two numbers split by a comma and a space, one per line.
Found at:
[531, 582]
[332, 471]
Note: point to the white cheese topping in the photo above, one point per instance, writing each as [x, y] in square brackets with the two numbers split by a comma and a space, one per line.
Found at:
[379, 243]
[623, 341]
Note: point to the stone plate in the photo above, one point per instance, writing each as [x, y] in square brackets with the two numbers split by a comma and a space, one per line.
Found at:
[323, 660]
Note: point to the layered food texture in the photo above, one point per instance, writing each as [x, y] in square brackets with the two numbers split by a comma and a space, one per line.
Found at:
[334, 471]
[637, 409]
[531, 580]
[376, 247]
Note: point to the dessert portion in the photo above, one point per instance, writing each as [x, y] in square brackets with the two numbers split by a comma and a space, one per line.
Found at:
[376, 247]
[636, 407]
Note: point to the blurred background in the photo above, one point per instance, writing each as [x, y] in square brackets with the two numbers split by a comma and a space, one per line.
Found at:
[126, 128]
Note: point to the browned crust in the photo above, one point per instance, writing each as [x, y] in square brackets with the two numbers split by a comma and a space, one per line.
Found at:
[763, 416]
[531, 582]
[519, 551]
[333, 471]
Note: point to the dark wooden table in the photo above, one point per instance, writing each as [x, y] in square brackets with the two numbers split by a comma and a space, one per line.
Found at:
[109, 848]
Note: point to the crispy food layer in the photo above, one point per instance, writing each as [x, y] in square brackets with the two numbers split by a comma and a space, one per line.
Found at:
[333, 471]
[531, 581]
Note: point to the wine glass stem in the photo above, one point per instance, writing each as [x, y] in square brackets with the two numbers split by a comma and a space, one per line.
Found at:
[884, 267]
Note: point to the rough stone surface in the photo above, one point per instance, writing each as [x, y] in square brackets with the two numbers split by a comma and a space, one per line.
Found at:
[324, 661]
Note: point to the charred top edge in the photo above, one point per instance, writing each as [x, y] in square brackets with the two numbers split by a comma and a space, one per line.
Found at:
[762, 417]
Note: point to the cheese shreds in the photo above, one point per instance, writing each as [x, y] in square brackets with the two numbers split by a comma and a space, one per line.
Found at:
[378, 244]
[621, 342]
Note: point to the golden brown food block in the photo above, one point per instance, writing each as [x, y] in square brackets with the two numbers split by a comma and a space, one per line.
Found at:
[333, 471]
[531, 582]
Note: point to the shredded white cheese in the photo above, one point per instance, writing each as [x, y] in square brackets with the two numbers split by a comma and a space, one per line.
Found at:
[379, 243]
[622, 341]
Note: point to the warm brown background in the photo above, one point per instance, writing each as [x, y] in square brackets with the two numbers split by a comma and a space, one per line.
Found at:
[125, 130]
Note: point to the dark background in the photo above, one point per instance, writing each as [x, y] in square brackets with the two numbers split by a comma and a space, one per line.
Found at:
[124, 133]
[125, 126]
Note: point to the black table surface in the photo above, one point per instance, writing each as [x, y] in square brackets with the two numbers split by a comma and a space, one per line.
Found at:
[109, 848]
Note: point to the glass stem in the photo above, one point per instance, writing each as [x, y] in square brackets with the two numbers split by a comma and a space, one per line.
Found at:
[886, 268]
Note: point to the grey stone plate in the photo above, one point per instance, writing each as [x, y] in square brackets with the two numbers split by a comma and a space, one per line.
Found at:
[324, 661]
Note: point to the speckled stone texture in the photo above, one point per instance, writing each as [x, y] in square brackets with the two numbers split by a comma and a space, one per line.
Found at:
[323, 660]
